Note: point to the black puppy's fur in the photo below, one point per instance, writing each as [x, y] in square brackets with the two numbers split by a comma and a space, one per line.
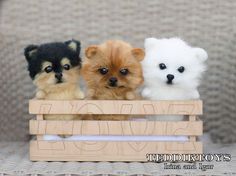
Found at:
[51, 52]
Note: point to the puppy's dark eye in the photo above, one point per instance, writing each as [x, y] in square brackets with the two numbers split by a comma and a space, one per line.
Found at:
[48, 69]
[181, 69]
[162, 66]
[66, 67]
[103, 70]
[124, 71]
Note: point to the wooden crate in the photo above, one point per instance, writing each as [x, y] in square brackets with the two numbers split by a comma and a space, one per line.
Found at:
[41, 150]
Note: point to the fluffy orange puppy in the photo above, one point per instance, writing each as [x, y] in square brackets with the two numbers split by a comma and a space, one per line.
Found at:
[112, 71]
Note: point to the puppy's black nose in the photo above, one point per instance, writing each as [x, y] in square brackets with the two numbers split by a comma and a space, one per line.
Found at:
[170, 77]
[113, 81]
[58, 76]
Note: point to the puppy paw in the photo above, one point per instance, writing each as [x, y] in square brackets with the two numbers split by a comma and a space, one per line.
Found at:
[90, 93]
[146, 92]
[80, 95]
[40, 94]
[196, 95]
[130, 96]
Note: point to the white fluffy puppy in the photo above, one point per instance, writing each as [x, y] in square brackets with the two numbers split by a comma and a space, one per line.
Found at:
[172, 71]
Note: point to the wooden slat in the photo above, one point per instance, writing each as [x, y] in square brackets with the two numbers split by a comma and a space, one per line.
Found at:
[87, 127]
[126, 107]
[39, 117]
[107, 151]
[192, 118]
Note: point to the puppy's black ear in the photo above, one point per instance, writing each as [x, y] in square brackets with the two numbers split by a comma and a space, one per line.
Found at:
[74, 45]
[30, 51]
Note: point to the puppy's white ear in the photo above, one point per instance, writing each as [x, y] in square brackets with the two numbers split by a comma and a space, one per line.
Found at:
[91, 51]
[201, 54]
[150, 42]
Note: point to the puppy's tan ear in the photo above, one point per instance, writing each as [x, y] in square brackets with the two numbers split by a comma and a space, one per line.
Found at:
[91, 51]
[138, 53]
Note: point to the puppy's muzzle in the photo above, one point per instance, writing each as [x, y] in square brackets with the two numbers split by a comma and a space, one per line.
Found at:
[58, 76]
[113, 82]
[170, 78]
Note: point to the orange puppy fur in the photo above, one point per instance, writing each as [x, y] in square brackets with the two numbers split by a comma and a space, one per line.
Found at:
[112, 71]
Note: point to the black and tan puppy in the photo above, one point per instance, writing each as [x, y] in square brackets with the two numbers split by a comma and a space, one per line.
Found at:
[55, 70]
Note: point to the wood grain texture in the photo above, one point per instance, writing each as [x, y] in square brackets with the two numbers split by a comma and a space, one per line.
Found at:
[125, 107]
[87, 127]
[113, 150]
[106, 151]
[39, 117]
[193, 118]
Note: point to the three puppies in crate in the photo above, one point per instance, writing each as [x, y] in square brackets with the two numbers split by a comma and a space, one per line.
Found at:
[114, 70]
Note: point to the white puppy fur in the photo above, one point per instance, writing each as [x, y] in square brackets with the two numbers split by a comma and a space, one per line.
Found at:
[172, 70]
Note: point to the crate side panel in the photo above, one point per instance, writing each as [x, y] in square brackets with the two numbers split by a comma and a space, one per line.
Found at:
[142, 107]
[107, 151]
[86, 127]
